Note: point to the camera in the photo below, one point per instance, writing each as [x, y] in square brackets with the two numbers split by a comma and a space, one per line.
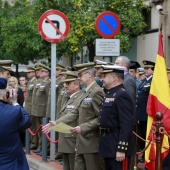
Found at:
[7, 94]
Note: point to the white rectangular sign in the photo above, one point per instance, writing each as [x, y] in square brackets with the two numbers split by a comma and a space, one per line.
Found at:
[107, 47]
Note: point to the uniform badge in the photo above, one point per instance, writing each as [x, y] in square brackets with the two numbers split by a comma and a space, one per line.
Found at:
[42, 88]
[107, 100]
[87, 100]
[38, 85]
[70, 107]
[31, 86]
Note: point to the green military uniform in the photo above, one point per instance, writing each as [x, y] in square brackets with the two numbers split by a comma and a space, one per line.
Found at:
[62, 97]
[30, 86]
[59, 86]
[40, 102]
[28, 105]
[87, 141]
[69, 115]
[35, 139]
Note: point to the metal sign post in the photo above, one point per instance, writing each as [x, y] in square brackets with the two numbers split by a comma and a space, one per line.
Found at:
[53, 97]
[53, 26]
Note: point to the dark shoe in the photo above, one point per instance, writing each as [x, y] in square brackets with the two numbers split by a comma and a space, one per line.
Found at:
[37, 151]
[33, 148]
[40, 153]
[60, 160]
[58, 156]
[61, 163]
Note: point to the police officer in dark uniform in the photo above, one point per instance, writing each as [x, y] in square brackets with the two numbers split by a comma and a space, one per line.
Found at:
[141, 101]
[116, 121]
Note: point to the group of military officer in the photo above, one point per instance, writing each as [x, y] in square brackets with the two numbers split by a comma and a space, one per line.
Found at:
[100, 102]
[102, 118]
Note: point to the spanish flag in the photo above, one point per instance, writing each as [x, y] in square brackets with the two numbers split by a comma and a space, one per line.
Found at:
[158, 101]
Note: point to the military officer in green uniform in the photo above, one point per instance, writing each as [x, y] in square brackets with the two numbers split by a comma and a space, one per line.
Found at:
[59, 85]
[68, 115]
[5, 68]
[88, 129]
[28, 102]
[34, 139]
[30, 86]
[40, 100]
[99, 69]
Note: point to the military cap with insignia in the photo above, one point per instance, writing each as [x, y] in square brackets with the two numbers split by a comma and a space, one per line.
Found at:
[38, 67]
[6, 64]
[61, 67]
[45, 68]
[113, 68]
[134, 65]
[30, 69]
[148, 64]
[140, 70]
[70, 76]
[99, 63]
[85, 66]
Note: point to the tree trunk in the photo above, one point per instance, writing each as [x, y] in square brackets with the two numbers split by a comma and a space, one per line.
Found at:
[16, 71]
[91, 48]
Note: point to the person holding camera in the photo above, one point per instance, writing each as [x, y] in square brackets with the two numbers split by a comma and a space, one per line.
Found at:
[3, 82]
[13, 118]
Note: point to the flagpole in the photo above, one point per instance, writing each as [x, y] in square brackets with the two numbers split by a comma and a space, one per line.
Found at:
[159, 139]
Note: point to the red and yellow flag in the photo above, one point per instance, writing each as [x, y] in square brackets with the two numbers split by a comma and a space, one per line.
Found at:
[158, 101]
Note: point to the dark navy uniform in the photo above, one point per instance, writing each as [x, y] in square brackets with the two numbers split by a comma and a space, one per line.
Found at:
[116, 125]
[141, 105]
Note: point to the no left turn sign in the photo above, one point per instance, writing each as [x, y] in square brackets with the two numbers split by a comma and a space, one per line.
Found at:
[53, 26]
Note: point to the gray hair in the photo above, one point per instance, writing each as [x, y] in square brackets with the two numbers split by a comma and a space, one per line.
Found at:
[93, 71]
[125, 61]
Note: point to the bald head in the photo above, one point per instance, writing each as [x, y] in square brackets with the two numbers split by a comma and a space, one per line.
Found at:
[2, 93]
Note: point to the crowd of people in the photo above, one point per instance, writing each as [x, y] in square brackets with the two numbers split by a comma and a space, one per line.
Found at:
[102, 102]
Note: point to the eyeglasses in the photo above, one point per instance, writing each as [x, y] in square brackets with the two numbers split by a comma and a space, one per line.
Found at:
[80, 75]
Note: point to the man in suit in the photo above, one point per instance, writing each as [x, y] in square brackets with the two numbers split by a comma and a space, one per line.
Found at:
[129, 82]
[13, 118]
[141, 101]
[116, 121]
[5, 68]
[88, 129]
[68, 115]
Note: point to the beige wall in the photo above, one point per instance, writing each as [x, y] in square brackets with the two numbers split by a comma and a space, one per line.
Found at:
[147, 47]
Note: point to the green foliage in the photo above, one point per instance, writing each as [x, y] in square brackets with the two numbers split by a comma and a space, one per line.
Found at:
[20, 41]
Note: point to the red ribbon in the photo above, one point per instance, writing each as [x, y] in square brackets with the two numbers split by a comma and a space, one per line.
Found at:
[46, 134]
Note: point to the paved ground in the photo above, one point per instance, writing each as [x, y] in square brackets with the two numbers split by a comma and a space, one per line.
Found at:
[35, 163]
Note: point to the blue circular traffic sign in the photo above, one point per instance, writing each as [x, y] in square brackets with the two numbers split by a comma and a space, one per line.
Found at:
[107, 24]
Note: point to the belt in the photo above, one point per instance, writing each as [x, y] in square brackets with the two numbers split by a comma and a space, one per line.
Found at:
[107, 130]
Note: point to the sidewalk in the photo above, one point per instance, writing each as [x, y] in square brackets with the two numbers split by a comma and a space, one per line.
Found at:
[35, 162]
